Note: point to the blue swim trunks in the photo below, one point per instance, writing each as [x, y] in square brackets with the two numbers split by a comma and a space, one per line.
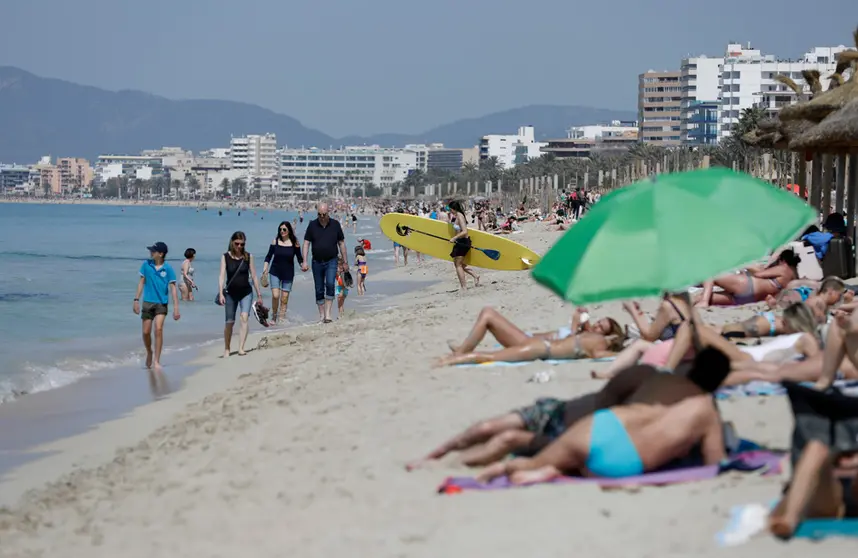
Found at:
[612, 453]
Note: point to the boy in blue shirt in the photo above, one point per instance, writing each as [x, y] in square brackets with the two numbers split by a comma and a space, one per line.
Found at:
[157, 285]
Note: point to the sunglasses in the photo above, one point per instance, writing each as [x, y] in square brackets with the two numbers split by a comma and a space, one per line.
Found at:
[323, 214]
[284, 229]
[239, 243]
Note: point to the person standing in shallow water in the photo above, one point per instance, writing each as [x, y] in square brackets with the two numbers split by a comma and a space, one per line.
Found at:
[326, 237]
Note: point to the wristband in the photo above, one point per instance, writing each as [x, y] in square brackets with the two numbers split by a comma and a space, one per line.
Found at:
[136, 300]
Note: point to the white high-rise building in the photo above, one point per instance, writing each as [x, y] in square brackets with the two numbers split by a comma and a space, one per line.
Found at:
[312, 171]
[257, 156]
[748, 80]
[511, 149]
[700, 85]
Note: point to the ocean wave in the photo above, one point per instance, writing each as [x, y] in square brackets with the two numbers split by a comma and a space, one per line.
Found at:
[39, 255]
[15, 297]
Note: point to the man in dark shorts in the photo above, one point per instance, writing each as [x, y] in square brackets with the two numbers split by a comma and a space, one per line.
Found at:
[529, 430]
[326, 237]
[157, 285]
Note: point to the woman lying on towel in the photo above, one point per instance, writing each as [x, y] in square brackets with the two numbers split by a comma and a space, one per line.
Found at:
[599, 340]
[830, 290]
[754, 284]
[645, 433]
[802, 317]
[669, 316]
[694, 335]
[509, 335]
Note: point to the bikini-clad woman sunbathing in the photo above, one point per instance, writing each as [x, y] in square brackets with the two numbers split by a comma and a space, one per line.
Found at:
[768, 324]
[605, 340]
[668, 318]
[509, 335]
[753, 284]
[831, 290]
[648, 431]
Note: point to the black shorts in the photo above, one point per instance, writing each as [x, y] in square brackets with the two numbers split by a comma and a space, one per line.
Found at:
[149, 310]
[461, 248]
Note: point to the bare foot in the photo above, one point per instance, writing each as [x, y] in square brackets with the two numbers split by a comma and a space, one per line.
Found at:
[419, 464]
[702, 304]
[600, 375]
[772, 302]
[477, 281]
[148, 361]
[157, 368]
[543, 474]
[492, 472]
[453, 347]
[225, 354]
[781, 527]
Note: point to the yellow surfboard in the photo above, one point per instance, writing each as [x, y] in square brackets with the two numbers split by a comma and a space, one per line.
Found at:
[432, 237]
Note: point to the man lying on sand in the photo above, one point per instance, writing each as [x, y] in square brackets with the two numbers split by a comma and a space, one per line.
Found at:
[660, 422]
[827, 292]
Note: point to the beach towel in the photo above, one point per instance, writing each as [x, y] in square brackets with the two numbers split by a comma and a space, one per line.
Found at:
[758, 389]
[749, 520]
[767, 462]
[550, 361]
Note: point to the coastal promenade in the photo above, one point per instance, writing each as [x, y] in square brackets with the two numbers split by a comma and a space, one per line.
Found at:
[299, 450]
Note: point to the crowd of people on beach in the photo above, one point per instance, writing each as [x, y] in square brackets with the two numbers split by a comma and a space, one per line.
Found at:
[657, 409]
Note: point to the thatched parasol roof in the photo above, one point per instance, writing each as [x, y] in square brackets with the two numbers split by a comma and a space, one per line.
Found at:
[824, 104]
[836, 134]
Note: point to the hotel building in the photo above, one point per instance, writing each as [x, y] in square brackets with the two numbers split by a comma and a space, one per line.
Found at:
[582, 141]
[257, 156]
[513, 149]
[659, 108]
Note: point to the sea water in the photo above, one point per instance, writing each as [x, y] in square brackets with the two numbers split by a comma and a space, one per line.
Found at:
[68, 275]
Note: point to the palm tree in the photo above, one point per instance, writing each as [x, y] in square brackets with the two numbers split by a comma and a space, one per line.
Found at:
[224, 188]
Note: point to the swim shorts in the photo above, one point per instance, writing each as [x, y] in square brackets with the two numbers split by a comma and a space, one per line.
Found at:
[545, 417]
[148, 310]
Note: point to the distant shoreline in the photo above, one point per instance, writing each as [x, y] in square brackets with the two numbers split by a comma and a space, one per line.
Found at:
[217, 204]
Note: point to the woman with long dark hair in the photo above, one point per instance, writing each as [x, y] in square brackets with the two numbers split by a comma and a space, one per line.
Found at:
[461, 244]
[280, 268]
[236, 284]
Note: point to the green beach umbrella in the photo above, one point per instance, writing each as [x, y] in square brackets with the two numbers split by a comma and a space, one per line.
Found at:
[669, 232]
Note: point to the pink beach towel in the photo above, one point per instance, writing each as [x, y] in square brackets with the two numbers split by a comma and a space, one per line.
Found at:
[768, 462]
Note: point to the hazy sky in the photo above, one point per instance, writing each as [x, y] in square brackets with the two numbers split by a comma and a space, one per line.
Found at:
[361, 67]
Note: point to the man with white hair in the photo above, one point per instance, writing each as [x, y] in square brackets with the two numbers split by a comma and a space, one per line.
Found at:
[328, 241]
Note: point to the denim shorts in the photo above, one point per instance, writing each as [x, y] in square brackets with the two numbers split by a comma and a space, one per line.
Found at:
[233, 305]
[277, 283]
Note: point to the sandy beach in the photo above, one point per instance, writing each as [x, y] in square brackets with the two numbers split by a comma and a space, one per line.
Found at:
[299, 449]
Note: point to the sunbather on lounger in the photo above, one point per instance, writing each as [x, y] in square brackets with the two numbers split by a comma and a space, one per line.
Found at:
[509, 335]
[752, 285]
[577, 346]
[651, 429]
[823, 485]
[528, 430]
[798, 317]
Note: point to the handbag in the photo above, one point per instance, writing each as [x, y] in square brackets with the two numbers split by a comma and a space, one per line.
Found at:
[264, 279]
[228, 283]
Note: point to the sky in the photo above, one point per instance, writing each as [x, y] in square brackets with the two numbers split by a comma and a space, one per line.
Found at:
[372, 66]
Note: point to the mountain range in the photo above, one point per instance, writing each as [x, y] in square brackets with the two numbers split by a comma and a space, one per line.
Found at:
[41, 116]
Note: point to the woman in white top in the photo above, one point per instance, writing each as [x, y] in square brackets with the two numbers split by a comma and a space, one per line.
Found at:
[187, 286]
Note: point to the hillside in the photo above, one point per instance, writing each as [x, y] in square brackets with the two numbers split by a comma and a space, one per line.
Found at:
[40, 116]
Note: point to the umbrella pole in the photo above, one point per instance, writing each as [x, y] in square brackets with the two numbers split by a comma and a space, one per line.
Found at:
[827, 170]
[840, 191]
[816, 182]
[851, 195]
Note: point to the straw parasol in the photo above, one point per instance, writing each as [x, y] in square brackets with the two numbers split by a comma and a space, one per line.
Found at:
[836, 134]
[824, 104]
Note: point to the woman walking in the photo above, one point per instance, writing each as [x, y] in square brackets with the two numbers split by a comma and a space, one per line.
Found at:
[461, 244]
[236, 285]
[187, 286]
[280, 268]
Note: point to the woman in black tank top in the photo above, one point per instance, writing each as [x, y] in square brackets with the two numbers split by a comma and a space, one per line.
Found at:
[236, 285]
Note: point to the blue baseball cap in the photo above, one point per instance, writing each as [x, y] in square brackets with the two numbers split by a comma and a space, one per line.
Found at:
[159, 247]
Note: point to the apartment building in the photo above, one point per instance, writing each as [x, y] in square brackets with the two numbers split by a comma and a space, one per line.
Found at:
[257, 155]
[452, 159]
[312, 171]
[700, 82]
[14, 179]
[511, 149]
[748, 79]
[128, 166]
[582, 141]
[659, 108]
[75, 175]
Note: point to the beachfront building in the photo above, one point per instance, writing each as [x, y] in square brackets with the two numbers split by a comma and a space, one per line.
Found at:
[700, 83]
[75, 176]
[659, 108]
[452, 160]
[582, 141]
[511, 149]
[748, 80]
[315, 171]
[14, 179]
[257, 156]
[130, 167]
